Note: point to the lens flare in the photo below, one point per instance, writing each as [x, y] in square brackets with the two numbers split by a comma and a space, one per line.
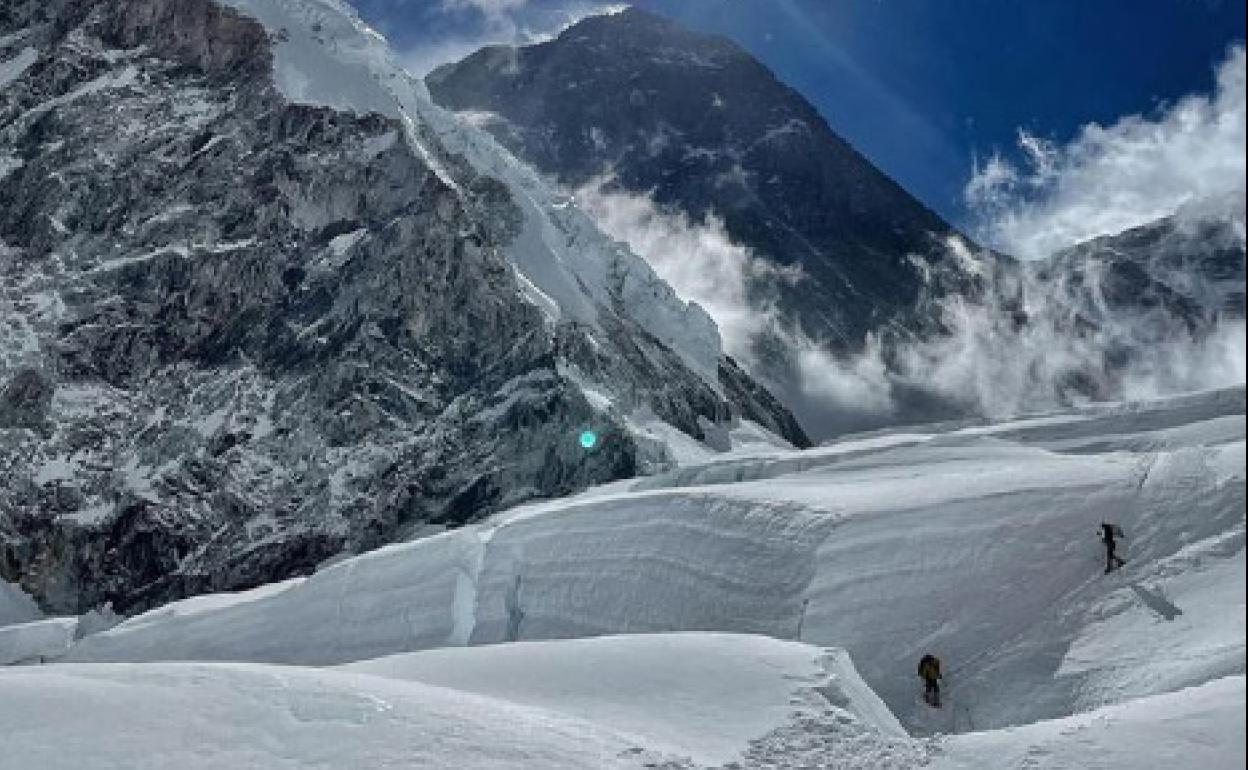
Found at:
[589, 439]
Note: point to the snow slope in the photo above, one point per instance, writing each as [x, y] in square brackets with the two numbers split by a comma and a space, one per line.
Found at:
[672, 700]
[36, 640]
[196, 716]
[625, 702]
[16, 606]
[975, 542]
[694, 695]
[1199, 727]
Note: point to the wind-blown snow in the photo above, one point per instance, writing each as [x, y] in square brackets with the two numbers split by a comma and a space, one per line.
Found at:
[1187, 155]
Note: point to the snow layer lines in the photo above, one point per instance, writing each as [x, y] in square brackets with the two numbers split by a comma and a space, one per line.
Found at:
[978, 544]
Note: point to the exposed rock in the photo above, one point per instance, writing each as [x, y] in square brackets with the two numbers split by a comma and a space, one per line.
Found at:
[239, 335]
[704, 127]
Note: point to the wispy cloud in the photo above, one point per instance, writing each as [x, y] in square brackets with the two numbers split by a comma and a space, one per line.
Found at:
[1025, 343]
[702, 263]
[1111, 178]
[500, 22]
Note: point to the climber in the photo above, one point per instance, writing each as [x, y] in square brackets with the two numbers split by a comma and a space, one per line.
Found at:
[1108, 533]
[929, 671]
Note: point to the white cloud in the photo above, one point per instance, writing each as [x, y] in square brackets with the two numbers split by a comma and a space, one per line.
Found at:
[1112, 178]
[987, 362]
[1187, 158]
[701, 262]
[502, 22]
[487, 7]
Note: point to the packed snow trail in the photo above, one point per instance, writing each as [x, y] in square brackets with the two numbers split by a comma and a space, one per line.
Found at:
[978, 543]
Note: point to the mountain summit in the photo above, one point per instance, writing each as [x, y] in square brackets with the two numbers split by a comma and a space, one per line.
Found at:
[705, 128]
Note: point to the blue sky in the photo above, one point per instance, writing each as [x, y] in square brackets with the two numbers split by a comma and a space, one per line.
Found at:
[921, 87]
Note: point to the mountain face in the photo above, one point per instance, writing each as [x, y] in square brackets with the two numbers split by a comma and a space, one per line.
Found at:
[1176, 282]
[1158, 309]
[262, 302]
[705, 128]
[697, 124]
[1189, 269]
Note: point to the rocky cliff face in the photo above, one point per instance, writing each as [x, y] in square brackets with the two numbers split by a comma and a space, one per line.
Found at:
[705, 128]
[240, 334]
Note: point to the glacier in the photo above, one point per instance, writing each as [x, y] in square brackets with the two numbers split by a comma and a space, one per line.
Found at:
[973, 540]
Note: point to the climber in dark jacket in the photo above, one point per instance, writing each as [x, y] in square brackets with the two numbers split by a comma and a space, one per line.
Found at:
[1108, 534]
[929, 671]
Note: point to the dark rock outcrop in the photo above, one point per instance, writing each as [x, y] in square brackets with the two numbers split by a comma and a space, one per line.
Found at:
[703, 127]
[239, 336]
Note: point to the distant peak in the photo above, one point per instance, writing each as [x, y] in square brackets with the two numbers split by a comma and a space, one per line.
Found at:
[633, 27]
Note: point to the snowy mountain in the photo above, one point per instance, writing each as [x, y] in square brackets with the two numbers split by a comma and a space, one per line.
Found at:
[858, 300]
[263, 303]
[644, 621]
[333, 435]
[698, 123]
[1158, 309]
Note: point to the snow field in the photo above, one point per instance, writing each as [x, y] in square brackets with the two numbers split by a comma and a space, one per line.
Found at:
[978, 543]
[694, 695]
[1201, 727]
[201, 716]
[979, 548]
[670, 700]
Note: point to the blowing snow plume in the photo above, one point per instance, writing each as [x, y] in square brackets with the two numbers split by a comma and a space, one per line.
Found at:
[1132, 286]
[704, 265]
